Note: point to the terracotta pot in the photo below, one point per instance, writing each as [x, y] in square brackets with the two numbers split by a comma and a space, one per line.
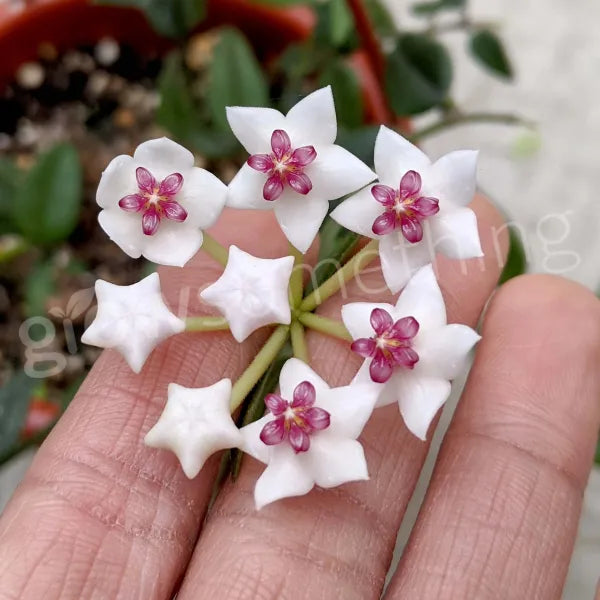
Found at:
[70, 23]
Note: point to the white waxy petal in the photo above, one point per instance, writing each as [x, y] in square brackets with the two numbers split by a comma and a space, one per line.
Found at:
[118, 180]
[295, 371]
[252, 292]
[124, 229]
[203, 196]
[420, 398]
[336, 173]
[395, 155]
[334, 456]
[132, 319]
[312, 121]
[452, 231]
[455, 233]
[162, 157]
[356, 317]
[285, 477]
[337, 461]
[195, 423]
[400, 259]
[246, 190]
[444, 352]
[253, 126]
[358, 212]
[350, 408]
[173, 244]
[300, 219]
[422, 299]
[453, 178]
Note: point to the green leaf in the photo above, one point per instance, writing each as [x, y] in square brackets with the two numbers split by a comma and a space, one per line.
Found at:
[10, 179]
[235, 78]
[47, 205]
[597, 456]
[430, 8]
[15, 398]
[360, 142]
[179, 114]
[341, 23]
[171, 18]
[335, 26]
[346, 93]
[488, 49]
[40, 284]
[418, 74]
[335, 245]
[516, 261]
[381, 18]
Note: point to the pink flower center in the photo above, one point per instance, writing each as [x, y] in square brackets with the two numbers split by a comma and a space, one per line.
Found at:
[284, 166]
[405, 208]
[294, 421]
[390, 347]
[155, 200]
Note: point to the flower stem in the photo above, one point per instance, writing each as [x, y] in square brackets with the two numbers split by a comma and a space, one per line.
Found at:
[351, 269]
[214, 249]
[299, 341]
[258, 366]
[296, 283]
[461, 119]
[325, 325]
[206, 324]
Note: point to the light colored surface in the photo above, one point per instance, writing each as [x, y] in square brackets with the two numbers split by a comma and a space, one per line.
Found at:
[555, 47]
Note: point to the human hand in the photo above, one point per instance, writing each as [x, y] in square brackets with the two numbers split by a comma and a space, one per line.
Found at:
[101, 516]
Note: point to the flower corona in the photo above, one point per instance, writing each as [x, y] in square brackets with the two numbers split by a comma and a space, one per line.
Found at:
[155, 200]
[294, 421]
[405, 208]
[390, 347]
[284, 166]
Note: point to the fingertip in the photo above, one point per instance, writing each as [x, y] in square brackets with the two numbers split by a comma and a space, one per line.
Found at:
[537, 367]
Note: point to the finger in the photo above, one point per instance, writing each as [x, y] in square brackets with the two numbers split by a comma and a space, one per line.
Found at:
[99, 514]
[501, 514]
[335, 543]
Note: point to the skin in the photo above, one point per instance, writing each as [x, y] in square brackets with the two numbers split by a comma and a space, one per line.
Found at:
[101, 516]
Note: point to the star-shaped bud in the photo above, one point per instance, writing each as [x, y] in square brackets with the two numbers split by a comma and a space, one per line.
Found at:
[418, 207]
[252, 292]
[295, 168]
[410, 349]
[132, 319]
[156, 203]
[195, 424]
[310, 437]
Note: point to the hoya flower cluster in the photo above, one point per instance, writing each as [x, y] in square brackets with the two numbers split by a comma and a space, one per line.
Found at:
[159, 205]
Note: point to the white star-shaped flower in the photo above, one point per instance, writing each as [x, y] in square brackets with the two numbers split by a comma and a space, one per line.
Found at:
[132, 319]
[295, 168]
[310, 435]
[195, 424]
[410, 350]
[418, 207]
[157, 202]
[252, 292]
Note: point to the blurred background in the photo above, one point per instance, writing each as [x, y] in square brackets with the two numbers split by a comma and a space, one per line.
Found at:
[81, 82]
